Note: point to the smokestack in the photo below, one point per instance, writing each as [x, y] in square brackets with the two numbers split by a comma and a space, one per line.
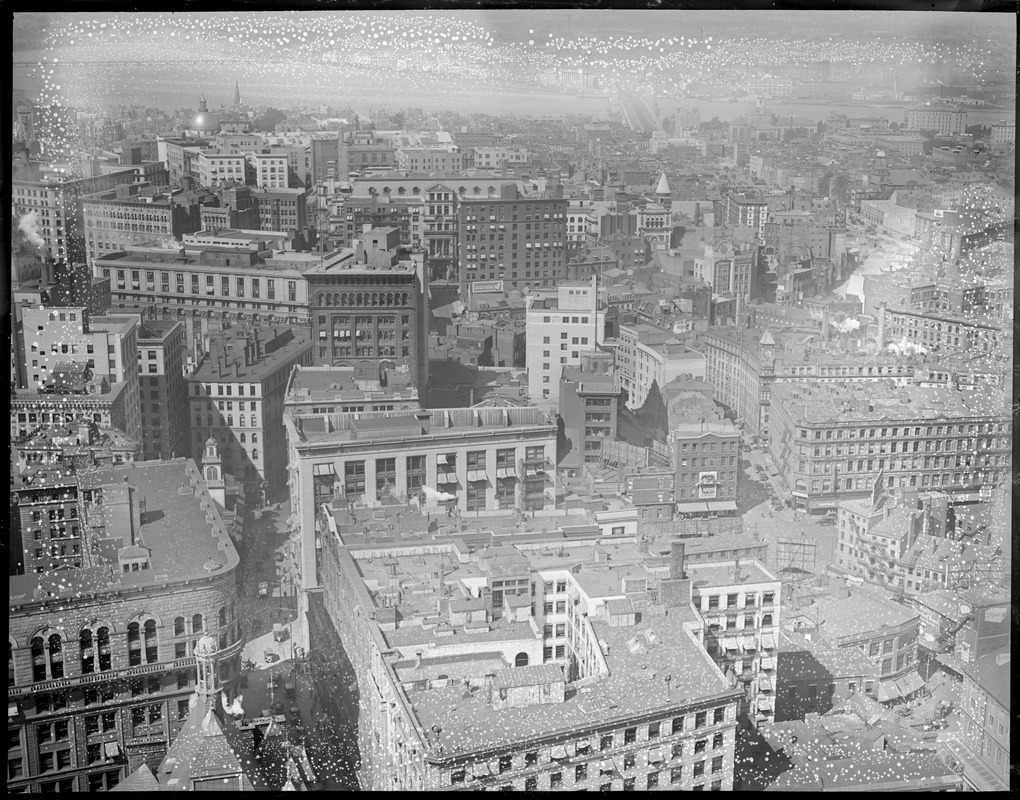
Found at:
[677, 553]
[737, 574]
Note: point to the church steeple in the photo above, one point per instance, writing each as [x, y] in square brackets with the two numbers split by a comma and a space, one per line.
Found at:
[212, 472]
[237, 94]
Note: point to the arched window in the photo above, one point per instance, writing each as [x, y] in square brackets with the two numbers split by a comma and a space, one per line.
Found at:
[401, 191]
[359, 299]
[254, 421]
[222, 621]
[386, 190]
[240, 421]
[134, 641]
[38, 659]
[492, 190]
[521, 660]
[462, 190]
[478, 190]
[88, 653]
[209, 420]
[415, 190]
[103, 648]
[179, 624]
[254, 453]
[56, 656]
[243, 437]
[254, 438]
[322, 298]
[151, 642]
[196, 623]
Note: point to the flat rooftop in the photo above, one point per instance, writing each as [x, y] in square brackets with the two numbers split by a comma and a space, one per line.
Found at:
[341, 383]
[635, 684]
[857, 614]
[870, 402]
[183, 544]
[348, 427]
[708, 575]
[226, 360]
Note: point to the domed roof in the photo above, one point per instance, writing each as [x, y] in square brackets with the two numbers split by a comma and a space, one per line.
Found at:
[206, 646]
[211, 440]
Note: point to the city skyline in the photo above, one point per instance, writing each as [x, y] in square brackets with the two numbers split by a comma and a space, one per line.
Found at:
[475, 399]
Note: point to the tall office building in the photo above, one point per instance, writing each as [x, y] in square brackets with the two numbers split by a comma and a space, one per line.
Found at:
[371, 306]
[517, 240]
[559, 330]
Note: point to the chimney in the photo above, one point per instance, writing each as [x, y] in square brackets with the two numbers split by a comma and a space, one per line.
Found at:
[737, 574]
[417, 660]
[677, 552]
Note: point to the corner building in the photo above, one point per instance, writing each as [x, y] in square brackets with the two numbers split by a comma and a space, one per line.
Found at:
[101, 659]
[459, 690]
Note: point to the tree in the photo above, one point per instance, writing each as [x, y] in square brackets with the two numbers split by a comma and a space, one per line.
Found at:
[269, 120]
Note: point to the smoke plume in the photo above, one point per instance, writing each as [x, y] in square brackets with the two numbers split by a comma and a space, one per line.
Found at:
[234, 709]
[29, 225]
[433, 497]
[906, 348]
[846, 326]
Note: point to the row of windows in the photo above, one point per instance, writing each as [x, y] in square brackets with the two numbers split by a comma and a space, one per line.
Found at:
[94, 646]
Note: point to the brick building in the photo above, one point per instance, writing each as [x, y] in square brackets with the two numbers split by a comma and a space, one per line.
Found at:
[706, 457]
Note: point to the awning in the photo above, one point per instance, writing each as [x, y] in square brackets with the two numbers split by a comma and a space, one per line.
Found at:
[691, 508]
[440, 459]
[606, 766]
[476, 475]
[506, 472]
[323, 469]
[768, 662]
[585, 744]
[112, 749]
[764, 682]
[888, 690]
[768, 641]
[764, 704]
[655, 755]
[12, 710]
[910, 683]
[446, 477]
[747, 642]
[558, 751]
[722, 505]
[531, 473]
[730, 644]
[480, 768]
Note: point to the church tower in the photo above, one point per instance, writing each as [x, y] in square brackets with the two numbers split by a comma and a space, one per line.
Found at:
[237, 94]
[212, 472]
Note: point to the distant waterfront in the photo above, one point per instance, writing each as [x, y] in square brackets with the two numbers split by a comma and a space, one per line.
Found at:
[179, 85]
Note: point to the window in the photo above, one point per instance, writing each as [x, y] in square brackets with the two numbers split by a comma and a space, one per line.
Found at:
[505, 763]
[629, 761]
[717, 764]
[630, 736]
[653, 730]
[700, 745]
[530, 759]
[605, 743]
[719, 716]
[699, 769]
[700, 719]
[676, 775]
[678, 725]
[555, 780]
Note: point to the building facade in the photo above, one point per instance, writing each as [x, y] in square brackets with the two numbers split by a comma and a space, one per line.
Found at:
[706, 458]
[829, 441]
[557, 336]
[163, 390]
[370, 304]
[944, 121]
[100, 683]
[521, 241]
[236, 397]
